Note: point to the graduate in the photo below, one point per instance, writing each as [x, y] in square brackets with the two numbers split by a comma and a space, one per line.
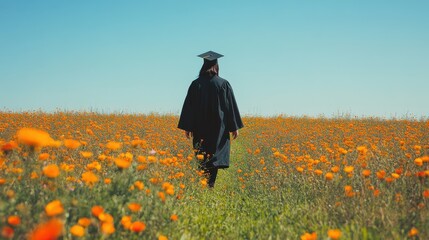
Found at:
[209, 115]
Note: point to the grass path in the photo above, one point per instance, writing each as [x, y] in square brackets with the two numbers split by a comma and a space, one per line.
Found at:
[228, 211]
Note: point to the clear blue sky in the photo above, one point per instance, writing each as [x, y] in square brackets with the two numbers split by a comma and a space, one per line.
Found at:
[303, 57]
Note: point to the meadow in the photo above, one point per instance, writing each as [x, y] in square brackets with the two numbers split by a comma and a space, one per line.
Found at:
[77, 175]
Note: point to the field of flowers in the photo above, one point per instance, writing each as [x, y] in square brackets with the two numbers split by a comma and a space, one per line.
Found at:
[82, 175]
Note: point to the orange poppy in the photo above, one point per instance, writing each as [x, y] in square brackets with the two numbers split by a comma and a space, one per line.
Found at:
[122, 163]
[108, 228]
[89, 178]
[43, 156]
[71, 143]
[366, 172]
[334, 234]
[413, 232]
[77, 231]
[137, 226]
[7, 232]
[348, 169]
[14, 220]
[126, 222]
[134, 207]
[54, 208]
[174, 217]
[329, 176]
[105, 217]
[34, 137]
[309, 236]
[84, 222]
[49, 230]
[97, 210]
[113, 146]
[85, 154]
[162, 237]
[51, 171]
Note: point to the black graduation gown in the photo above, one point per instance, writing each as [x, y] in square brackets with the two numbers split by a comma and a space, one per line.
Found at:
[210, 112]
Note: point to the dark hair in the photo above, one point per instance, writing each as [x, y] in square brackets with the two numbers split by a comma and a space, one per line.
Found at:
[209, 69]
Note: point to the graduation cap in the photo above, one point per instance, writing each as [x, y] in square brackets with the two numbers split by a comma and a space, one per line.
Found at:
[210, 57]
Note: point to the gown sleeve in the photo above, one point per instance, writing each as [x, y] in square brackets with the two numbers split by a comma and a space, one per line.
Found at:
[233, 115]
[186, 121]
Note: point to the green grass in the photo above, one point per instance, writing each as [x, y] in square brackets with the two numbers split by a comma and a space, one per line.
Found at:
[230, 212]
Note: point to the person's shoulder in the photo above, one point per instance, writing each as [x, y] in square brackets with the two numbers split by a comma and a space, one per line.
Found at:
[220, 81]
[195, 82]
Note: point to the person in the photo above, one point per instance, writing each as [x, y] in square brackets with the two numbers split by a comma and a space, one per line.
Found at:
[209, 114]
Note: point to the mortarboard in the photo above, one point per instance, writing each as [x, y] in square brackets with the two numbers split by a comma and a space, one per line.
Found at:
[210, 56]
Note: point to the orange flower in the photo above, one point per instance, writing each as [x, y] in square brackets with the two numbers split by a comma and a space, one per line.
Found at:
[7, 232]
[349, 191]
[136, 142]
[34, 138]
[395, 175]
[71, 143]
[426, 193]
[413, 232]
[113, 146]
[200, 157]
[43, 156]
[366, 172]
[86, 154]
[97, 210]
[161, 195]
[309, 236]
[174, 217]
[54, 208]
[89, 178]
[84, 222]
[9, 146]
[348, 169]
[89, 131]
[318, 172]
[77, 231]
[134, 207]
[14, 220]
[162, 237]
[141, 159]
[335, 169]
[329, 176]
[362, 150]
[418, 162]
[342, 151]
[122, 163]
[203, 182]
[105, 217]
[168, 188]
[49, 230]
[139, 185]
[51, 171]
[2, 181]
[137, 226]
[107, 180]
[126, 222]
[381, 174]
[107, 228]
[376, 193]
[300, 169]
[389, 179]
[334, 234]
[348, 188]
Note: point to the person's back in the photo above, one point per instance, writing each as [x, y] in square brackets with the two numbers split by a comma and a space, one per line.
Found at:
[209, 114]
